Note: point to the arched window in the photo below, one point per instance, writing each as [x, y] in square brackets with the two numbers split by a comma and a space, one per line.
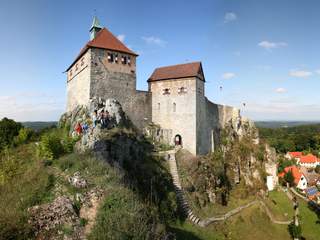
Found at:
[174, 107]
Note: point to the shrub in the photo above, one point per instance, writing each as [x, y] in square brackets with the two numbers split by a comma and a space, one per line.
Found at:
[50, 146]
[24, 136]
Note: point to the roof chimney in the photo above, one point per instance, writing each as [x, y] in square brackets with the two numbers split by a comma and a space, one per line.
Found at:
[95, 28]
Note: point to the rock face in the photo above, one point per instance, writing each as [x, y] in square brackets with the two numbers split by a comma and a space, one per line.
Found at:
[271, 168]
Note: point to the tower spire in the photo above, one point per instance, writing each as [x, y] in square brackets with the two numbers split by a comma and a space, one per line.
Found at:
[95, 28]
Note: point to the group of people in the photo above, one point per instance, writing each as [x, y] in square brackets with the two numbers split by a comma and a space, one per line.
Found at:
[103, 118]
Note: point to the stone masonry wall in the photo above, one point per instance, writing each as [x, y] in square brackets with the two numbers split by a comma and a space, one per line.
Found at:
[78, 82]
[176, 111]
[118, 81]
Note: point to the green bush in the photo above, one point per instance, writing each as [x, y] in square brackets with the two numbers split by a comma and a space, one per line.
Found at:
[24, 136]
[123, 216]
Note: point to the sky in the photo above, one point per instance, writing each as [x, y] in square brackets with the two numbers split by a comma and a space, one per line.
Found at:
[262, 53]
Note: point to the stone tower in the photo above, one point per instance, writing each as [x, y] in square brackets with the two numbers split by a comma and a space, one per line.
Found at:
[177, 95]
[106, 68]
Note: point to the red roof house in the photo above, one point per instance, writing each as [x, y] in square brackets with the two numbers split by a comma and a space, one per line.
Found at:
[299, 179]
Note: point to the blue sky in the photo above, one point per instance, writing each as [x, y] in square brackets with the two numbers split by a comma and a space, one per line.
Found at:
[263, 53]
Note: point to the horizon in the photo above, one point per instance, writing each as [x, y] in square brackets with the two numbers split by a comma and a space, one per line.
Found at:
[263, 56]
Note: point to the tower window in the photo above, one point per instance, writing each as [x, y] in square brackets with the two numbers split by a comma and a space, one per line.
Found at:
[182, 90]
[174, 107]
[124, 60]
[166, 91]
[116, 58]
[110, 57]
[129, 60]
[158, 106]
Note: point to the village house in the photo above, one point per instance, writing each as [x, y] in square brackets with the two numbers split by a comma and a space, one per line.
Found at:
[300, 180]
[308, 161]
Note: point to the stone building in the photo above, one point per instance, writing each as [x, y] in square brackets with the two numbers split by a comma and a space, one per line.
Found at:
[175, 99]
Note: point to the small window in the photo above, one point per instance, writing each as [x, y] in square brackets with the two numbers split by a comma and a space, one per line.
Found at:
[124, 59]
[129, 61]
[82, 62]
[110, 57]
[76, 67]
[174, 107]
[116, 58]
[166, 91]
[182, 90]
[70, 72]
[158, 106]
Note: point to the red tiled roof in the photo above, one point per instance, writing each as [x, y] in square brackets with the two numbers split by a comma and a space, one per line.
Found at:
[308, 159]
[295, 173]
[177, 71]
[295, 154]
[105, 40]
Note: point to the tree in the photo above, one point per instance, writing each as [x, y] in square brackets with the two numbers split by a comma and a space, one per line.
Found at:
[288, 177]
[8, 130]
[317, 169]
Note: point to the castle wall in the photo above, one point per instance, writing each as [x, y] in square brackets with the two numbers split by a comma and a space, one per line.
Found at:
[181, 118]
[78, 82]
[118, 81]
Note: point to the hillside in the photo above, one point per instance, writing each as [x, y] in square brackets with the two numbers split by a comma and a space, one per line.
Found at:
[283, 124]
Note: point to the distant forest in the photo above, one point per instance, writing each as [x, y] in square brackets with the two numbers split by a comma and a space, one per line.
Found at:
[300, 138]
[37, 126]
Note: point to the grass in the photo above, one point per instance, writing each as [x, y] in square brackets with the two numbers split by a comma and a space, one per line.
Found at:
[250, 224]
[280, 205]
[309, 222]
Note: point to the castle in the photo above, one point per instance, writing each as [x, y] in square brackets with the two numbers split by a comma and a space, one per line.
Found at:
[175, 99]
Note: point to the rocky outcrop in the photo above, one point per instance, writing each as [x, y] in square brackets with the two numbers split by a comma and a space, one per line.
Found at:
[51, 217]
[77, 181]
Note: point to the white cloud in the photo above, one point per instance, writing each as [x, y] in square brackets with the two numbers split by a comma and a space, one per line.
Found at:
[280, 90]
[229, 17]
[271, 45]
[121, 37]
[30, 106]
[155, 41]
[228, 75]
[300, 73]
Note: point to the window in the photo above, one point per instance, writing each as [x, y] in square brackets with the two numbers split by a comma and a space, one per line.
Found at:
[110, 57]
[82, 61]
[70, 72]
[124, 59]
[116, 58]
[77, 67]
[182, 90]
[129, 60]
[158, 106]
[174, 107]
[166, 91]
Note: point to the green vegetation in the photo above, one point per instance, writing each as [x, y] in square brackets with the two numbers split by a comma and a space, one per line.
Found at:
[280, 205]
[300, 138]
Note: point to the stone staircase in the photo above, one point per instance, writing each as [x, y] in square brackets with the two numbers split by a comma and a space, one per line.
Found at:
[182, 201]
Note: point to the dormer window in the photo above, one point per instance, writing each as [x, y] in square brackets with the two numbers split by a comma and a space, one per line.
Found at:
[110, 57]
[182, 90]
[124, 60]
[166, 91]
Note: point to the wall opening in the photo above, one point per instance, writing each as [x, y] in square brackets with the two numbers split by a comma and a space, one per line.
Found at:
[178, 140]
[174, 107]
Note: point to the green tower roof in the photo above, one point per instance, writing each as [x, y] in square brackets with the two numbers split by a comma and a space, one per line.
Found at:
[95, 23]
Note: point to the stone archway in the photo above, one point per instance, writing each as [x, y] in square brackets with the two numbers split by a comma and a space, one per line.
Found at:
[178, 140]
